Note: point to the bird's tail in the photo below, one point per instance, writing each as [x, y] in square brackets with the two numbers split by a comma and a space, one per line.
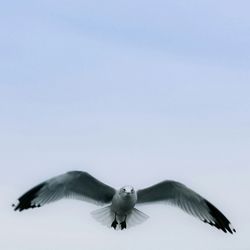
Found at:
[136, 217]
[106, 216]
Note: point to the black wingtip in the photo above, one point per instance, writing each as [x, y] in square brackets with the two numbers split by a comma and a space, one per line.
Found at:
[219, 220]
[25, 201]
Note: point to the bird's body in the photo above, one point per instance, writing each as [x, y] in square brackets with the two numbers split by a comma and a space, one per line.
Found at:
[120, 211]
[122, 204]
[124, 200]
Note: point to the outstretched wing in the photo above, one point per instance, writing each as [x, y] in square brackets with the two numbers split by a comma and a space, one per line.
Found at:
[188, 200]
[74, 184]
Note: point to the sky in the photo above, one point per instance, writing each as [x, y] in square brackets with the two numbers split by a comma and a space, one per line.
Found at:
[134, 93]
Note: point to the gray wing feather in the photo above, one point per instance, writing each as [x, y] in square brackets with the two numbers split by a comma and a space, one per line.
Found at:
[178, 194]
[74, 184]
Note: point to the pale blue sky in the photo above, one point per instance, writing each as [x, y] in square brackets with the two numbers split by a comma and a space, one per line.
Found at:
[118, 86]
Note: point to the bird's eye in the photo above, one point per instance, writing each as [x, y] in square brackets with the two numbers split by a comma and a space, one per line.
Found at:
[123, 189]
[132, 190]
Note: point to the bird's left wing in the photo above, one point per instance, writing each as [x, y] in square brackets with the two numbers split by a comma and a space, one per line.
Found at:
[178, 194]
[74, 184]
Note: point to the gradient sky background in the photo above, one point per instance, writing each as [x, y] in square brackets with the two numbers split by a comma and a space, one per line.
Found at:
[133, 92]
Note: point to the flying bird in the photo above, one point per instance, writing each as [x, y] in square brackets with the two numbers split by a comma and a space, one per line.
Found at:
[120, 211]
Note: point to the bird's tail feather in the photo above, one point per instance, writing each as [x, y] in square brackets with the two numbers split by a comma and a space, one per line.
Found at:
[106, 216]
[136, 217]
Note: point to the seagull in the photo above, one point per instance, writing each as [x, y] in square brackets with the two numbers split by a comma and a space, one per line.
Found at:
[120, 212]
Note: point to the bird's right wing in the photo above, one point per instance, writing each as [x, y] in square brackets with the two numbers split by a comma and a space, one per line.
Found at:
[74, 184]
[179, 195]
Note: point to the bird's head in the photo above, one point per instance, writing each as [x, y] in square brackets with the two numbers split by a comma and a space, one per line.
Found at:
[127, 191]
